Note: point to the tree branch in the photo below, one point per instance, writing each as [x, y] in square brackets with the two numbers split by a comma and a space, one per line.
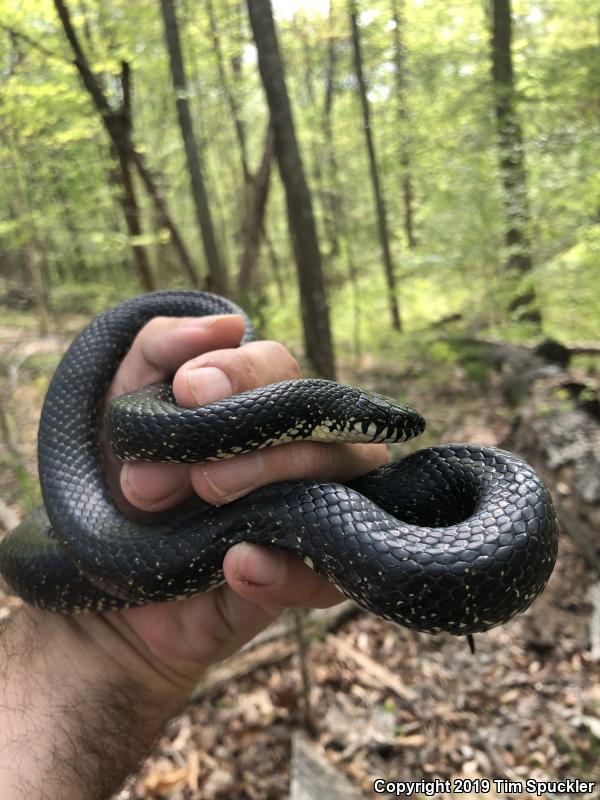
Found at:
[82, 66]
[34, 44]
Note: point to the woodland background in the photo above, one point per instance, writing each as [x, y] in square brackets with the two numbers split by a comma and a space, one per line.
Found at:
[407, 194]
[486, 149]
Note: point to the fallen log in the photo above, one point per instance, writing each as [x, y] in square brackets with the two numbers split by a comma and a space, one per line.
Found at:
[557, 428]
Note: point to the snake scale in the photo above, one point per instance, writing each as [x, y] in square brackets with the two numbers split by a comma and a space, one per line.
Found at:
[456, 538]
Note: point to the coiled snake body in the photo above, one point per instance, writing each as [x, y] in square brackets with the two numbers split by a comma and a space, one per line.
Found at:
[455, 538]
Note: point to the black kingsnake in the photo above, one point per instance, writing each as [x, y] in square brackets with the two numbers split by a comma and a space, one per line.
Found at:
[455, 538]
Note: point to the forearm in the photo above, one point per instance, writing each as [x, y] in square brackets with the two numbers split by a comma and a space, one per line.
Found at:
[74, 719]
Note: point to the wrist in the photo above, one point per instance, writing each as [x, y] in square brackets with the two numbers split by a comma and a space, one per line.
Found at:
[80, 704]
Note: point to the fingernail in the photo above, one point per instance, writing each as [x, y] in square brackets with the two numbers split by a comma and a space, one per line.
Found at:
[207, 384]
[232, 479]
[259, 566]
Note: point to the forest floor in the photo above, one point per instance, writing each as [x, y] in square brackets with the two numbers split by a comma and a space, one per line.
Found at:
[386, 702]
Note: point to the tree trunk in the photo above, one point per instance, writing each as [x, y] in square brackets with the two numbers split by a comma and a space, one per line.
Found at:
[115, 212]
[217, 271]
[377, 188]
[256, 216]
[316, 150]
[512, 161]
[230, 95]
[275, 267]
[80, 264]
[250, 196]
[160, 205]
[117, 124]
[121, 125]
[32, 252]
[132, 219]
[335, 194]
[315, 312]
[404, 126]
[118, 127]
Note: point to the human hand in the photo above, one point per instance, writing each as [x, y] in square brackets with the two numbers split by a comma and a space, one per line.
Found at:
[182, 638]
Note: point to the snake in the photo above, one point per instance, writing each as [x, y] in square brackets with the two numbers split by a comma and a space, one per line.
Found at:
[454, 538]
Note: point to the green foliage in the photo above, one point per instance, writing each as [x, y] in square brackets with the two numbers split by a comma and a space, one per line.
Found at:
[572, 276]
[89, 299]
[57, 189]
[29, 491]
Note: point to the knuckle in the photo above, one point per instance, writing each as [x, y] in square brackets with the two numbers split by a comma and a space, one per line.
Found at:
[153, 326]
[300, 460]
[253, 364]
[237, 363]
[285, 361]
[294, 461]
[244, 370]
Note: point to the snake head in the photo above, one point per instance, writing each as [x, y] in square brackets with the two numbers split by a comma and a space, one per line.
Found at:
[376, 418]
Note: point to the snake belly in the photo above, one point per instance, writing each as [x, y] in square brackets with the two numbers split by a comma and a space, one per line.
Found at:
[456, 538]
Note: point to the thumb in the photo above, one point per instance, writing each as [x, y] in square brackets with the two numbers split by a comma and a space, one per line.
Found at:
[271, 577]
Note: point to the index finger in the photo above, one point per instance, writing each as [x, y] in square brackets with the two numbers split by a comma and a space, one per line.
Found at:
[164, 343]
